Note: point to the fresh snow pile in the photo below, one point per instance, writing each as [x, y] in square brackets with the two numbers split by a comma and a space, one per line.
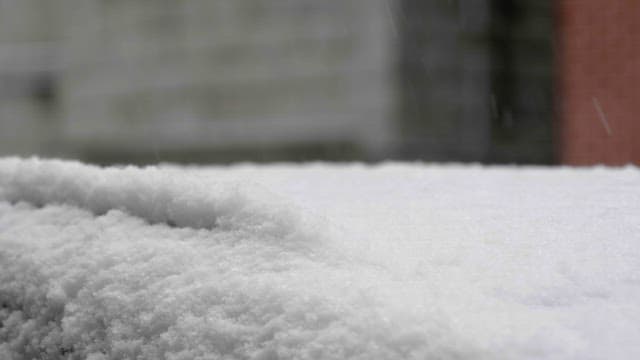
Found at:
[398, 261]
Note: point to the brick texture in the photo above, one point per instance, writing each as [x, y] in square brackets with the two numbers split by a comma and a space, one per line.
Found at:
[598, 71]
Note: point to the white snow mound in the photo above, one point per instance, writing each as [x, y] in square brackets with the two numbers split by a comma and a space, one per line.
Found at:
[399, 261]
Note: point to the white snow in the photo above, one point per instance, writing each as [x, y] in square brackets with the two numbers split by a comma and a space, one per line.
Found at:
[318, 261]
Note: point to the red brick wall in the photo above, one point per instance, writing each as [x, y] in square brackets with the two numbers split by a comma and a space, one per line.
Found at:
[598, 81]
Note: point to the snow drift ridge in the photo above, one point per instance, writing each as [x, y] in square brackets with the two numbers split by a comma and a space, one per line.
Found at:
[158, 196]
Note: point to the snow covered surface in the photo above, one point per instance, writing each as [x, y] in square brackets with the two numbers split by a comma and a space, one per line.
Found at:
[318, 261]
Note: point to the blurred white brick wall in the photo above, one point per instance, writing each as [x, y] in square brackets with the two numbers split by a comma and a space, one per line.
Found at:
[28, 45]
[207, 74]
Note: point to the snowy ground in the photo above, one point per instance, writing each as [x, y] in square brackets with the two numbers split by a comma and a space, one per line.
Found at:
[318, 261]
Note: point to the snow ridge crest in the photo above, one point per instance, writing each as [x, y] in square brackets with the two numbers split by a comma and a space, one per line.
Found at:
[158, 195]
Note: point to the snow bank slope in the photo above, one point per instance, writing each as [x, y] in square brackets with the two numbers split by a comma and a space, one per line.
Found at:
[318, 261]
[154, 195]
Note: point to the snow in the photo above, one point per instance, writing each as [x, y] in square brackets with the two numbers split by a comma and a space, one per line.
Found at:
[318, 261]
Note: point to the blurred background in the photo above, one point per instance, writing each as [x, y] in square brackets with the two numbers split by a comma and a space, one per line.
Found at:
[219, 81]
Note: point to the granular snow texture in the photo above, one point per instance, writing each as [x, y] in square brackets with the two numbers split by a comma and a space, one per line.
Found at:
[318, 261]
